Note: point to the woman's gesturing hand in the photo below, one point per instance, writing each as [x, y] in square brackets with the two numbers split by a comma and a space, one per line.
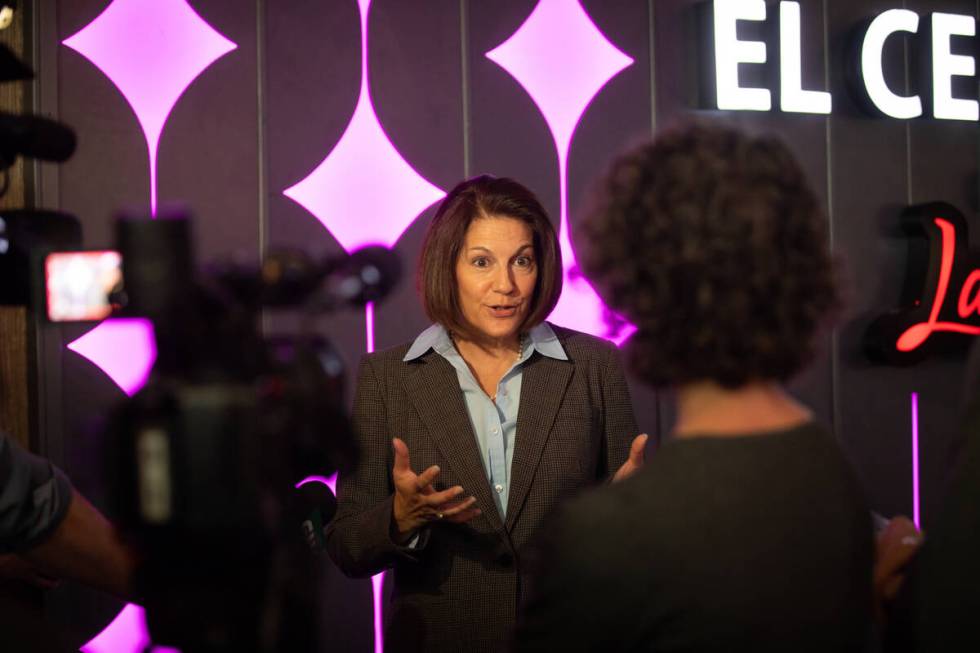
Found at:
[635, 462]
[416, 501]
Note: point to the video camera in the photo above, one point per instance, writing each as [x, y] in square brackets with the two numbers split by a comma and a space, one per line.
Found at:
[205, 460]
[209, 453]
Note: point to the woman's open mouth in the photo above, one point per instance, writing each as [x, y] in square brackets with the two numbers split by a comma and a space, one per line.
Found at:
[503, 310]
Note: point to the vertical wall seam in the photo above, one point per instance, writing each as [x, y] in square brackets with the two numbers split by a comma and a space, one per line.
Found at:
[660, 414]
[260, 123]
[831, 232]
[908, 123]
[653, 71]
[49, 352]
[262, 171]
[464, 45]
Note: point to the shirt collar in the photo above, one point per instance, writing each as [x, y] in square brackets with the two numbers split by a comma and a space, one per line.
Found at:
[541, 338]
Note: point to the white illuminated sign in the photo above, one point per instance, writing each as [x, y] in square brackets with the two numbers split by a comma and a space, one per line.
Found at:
[886, 24]
[946, 65]
[792, 97]
[730, 52]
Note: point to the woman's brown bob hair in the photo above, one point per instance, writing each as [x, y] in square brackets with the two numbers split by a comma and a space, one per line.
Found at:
[485, 197]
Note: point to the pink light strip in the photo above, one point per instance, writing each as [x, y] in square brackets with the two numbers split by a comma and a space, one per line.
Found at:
[377, 585]
[916, 514]
[369, 322]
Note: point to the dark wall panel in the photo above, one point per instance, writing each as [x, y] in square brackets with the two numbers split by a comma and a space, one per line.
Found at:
[208, 152]
[110, 167]
[869, 187]
[943, 166]
[310, 88]
[311, 81]
[416, 73]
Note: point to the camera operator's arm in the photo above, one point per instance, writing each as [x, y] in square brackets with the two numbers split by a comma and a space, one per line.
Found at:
[360, 539]
[34, 497]
[53, 527]
[84, 548]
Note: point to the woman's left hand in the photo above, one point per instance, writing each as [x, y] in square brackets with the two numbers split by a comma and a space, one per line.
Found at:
[635, 461]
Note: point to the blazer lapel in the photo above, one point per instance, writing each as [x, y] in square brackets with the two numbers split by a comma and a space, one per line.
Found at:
[543, 387]
[433, 388]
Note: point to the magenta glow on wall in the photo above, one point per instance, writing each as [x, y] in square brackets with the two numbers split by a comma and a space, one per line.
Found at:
[562, 60]
[126, 634]
[151, 50]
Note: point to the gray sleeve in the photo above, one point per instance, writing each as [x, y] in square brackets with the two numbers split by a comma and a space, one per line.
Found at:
[34, 497]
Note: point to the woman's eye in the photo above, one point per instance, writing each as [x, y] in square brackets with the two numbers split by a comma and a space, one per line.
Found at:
[481, 262]
[523, 261]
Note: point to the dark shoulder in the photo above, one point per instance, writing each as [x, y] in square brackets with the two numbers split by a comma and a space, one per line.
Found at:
[385, 364]
[582, 346]
[387, 356]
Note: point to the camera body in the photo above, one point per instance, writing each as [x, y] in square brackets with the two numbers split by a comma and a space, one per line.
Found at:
[206, 457]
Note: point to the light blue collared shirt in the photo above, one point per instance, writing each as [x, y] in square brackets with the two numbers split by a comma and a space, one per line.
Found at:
[494, 422]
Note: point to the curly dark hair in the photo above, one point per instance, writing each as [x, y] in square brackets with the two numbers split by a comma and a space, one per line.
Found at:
[713, 243]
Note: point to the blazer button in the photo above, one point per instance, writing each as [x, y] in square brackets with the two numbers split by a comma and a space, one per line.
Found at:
[506, 559]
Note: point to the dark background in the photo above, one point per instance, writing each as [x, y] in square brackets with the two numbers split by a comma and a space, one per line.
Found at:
[263, 116]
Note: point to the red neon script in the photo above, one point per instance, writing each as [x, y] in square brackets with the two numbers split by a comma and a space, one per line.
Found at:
[917, 334]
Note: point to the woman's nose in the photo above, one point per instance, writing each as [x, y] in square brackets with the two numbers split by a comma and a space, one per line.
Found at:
[503, 282]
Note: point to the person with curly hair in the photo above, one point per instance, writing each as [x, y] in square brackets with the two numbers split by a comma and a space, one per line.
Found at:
[748, 530]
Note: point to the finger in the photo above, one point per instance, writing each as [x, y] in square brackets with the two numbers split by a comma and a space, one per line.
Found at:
[437, 499]
[896, 528]
[900, 538]
[637, 449]
[402, 463]
[896, 558]
[465, 516]
[426, 478]
[451, 509]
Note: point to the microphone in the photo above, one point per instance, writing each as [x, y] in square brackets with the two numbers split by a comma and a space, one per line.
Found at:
[289, 277]
[36, 137]
[367, 275]
[313, 505]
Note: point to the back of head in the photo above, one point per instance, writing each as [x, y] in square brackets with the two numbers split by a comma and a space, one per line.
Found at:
[713, 243]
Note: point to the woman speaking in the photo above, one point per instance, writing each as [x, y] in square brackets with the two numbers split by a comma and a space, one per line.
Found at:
[471, 434]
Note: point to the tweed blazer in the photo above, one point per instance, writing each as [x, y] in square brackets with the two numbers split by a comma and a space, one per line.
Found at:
[460, 588]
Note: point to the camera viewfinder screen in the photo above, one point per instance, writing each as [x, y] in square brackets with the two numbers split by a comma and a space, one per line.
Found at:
[78, 284]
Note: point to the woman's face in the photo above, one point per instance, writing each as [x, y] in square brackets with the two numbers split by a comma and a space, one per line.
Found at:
[495, 275]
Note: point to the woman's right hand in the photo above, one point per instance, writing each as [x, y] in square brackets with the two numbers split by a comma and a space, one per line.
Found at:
[416, 501]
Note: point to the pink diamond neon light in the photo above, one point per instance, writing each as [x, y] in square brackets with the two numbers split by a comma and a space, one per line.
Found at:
[151, 50]
[562, 60]
[126, 634]
[123, 348]
[329, 481]
[364, 191]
